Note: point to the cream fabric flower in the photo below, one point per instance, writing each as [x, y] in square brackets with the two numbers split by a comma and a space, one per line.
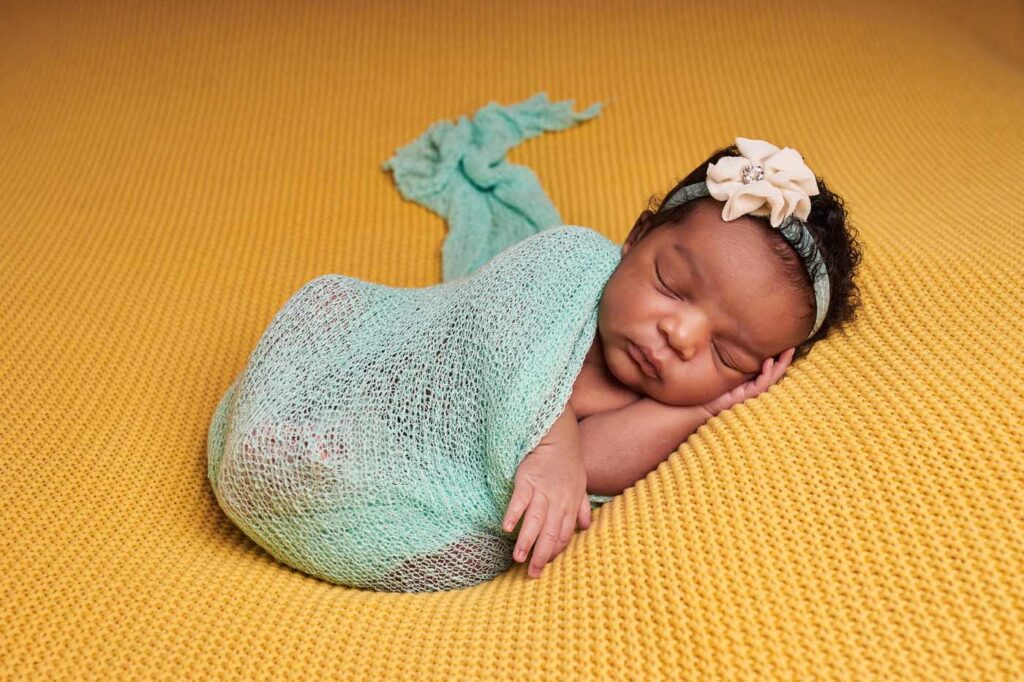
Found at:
[778, 182]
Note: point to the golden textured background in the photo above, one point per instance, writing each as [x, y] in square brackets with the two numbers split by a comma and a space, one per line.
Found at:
[171, 172]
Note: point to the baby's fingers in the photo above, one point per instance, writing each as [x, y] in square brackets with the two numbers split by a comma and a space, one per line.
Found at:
[532, 524]
[778, 367]
[521, 497]
[580, 518]
[766, 377]
[583, 517]
[784, 360]
[568, 526]
[548, 542]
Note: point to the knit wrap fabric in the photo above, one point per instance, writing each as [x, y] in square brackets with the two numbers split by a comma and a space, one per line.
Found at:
[460, 172]
[373, 437]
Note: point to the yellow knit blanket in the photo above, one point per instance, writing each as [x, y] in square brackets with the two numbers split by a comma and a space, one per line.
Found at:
[171, 171]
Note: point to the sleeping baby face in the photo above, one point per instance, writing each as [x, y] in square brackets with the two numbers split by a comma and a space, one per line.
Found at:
[706, 298]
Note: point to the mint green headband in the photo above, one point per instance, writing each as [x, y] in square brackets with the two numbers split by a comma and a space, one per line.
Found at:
[795, 232]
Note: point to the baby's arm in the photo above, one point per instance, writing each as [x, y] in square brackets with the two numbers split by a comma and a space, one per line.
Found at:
[622, 446]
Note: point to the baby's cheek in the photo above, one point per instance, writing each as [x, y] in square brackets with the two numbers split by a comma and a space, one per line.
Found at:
[692, 391]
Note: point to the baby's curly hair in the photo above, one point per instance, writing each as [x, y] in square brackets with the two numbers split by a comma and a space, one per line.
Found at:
[835, 236]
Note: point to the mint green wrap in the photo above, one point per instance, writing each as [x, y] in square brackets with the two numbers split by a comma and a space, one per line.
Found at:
[460, 172]
[373, 437]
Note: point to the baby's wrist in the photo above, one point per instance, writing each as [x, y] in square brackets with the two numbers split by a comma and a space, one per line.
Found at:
[564, 432]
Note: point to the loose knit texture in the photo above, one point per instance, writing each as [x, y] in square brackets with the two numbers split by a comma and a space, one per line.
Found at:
[173, 171]
[373, 436]
[460, 171]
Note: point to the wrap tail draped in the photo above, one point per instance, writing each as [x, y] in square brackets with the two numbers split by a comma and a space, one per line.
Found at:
[460, 172]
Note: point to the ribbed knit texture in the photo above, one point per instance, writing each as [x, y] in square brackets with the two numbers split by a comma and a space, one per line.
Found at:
[171, 172]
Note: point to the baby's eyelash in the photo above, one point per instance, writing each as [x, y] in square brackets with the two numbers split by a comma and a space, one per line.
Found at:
[734, 369]
[668, 292]
[722, 360]
[664, 286]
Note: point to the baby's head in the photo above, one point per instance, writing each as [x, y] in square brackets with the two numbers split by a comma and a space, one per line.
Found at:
[710, 299]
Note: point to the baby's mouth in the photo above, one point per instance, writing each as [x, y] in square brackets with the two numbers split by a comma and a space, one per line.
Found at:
[641, 359]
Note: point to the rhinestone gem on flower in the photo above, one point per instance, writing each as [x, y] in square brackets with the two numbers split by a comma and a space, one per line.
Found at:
[752, 173]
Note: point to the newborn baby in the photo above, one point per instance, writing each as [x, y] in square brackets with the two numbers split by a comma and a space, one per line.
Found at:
[393, 438]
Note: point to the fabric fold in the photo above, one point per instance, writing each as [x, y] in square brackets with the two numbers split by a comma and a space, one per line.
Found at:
[459, 171]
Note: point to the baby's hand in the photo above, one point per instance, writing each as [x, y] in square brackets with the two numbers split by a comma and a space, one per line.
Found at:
[551, 485]
[771, 372]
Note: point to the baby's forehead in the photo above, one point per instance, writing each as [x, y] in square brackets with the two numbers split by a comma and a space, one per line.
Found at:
[709, 238]
[726, 257]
